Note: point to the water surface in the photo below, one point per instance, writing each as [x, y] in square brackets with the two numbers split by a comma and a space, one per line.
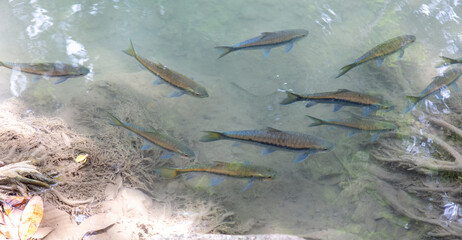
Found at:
[245, 88]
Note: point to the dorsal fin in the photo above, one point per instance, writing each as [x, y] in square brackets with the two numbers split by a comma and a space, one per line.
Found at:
[343, 90]
[216, 162]
[270, 129]
[265, 34]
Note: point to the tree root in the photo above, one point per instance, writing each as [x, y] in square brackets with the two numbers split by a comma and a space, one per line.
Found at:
[392, 197]
[70, 202]
[22, 176]
[441, 157]
[391, 153]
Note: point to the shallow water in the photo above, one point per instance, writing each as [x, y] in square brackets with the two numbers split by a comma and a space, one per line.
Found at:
[245, 88]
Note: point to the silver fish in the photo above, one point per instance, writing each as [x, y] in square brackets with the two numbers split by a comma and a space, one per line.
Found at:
[266, 41]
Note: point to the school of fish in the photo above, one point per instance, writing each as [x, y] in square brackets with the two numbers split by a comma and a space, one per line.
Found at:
[269, 138]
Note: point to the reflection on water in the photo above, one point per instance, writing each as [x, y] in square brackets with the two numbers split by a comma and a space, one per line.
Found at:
[18, 83]
[245, 90]
[327, 17]
[40, 21]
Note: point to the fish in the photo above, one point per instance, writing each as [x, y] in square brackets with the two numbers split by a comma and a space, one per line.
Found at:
[62, 71]
[165, 142]
[448, 61]
[356, 125]
[266, 41]
[382, 50]
[182, 83]
[448, 78]
[342, 97]
[273, 139]
[237, 170]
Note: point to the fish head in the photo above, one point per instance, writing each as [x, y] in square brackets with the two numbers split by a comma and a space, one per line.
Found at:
[387, 106]
[326, 146]
[301, 33]
[409, 38]
[186, 152]
[388, 126]
[267, 174]
[82, 71]
[199, 92]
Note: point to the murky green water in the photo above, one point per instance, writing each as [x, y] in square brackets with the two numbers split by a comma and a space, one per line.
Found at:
[245, 88]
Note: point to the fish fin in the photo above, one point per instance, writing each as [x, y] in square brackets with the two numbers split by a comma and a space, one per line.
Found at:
[446, 61]
[342, 90]
[346, 68]
[291, 98]
[267, 150]
[316, 121]
[375, 137]
[289, 46]
[158, 81]
[190, 176]
[130, 50]
[352, 132]
[337, 107]
[216, 181]
[170, 173]
[412, 101]
[310, 104]
[146, 146]
[176, 93]
[35, 79]
[265, 33]
[379, 61]
[61, 79]
[401, 53]
[266, 52]
[236, 144]
[455, 87]
[249, 184]
[142, 67]
[366, 111]
[270, 129]
[212, 136]
[224, 50]
[302, 156]
[167, 155]
[115, 121]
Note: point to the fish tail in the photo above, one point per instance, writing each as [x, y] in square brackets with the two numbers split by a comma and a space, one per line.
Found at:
[212, 136]
[446, 61]
[291, 98]
[316, 121]
[115, 121]
[412, 101]
[345, 69]
[1, 64]
[169, 173]
[130, 51]
[224, 50]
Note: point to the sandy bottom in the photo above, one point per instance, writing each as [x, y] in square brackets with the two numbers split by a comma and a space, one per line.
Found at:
[116, 195]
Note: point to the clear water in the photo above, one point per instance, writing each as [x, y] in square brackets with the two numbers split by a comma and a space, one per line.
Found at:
[245, 88]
